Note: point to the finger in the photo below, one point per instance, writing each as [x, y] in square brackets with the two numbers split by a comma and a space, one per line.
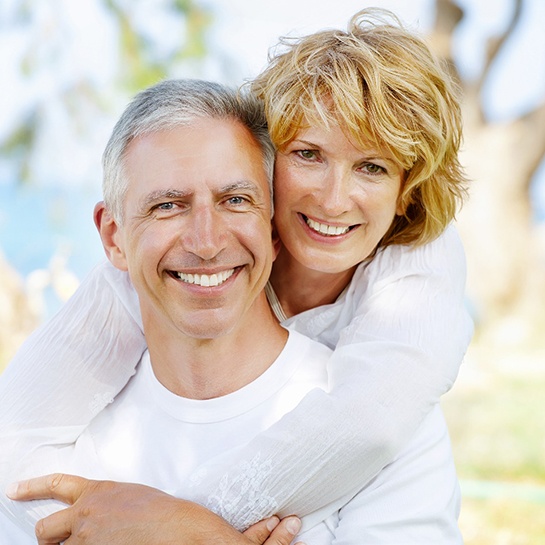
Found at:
[260, 531]
[54, 529]
[284, 533]
[58, 486]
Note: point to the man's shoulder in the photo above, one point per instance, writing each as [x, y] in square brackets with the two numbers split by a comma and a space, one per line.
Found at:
[307, 347]
[304, 355]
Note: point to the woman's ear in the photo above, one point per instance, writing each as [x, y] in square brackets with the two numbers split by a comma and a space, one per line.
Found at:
[402, 198]
[110, 234]
[400, 209]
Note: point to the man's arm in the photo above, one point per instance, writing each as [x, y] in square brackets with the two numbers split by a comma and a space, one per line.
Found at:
[132, 514]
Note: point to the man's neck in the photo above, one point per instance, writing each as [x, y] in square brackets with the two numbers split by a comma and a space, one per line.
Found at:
[209, 368]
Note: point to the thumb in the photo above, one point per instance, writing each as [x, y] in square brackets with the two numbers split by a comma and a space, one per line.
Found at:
[272, 532]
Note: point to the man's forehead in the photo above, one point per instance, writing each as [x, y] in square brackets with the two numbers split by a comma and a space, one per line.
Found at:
[217, 156]
[200, 138]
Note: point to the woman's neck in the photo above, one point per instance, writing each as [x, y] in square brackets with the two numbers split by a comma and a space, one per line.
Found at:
[299, 288]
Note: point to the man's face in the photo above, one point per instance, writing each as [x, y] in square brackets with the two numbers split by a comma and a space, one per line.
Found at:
[196, 236]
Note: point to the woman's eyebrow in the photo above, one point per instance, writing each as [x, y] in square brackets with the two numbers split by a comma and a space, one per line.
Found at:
[305, 143]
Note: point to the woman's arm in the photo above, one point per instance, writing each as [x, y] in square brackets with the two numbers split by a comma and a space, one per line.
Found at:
[67, 371]
[399, 353]
[414, 501]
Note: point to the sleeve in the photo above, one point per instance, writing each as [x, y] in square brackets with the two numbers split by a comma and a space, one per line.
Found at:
[400, 352]
[415, 500]
[67, 371]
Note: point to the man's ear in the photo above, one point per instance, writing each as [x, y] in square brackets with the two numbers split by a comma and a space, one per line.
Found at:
[110, 235]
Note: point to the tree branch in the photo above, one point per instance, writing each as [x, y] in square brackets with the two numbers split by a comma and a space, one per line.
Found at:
[496, 43]
[534, 139]
[447, 17]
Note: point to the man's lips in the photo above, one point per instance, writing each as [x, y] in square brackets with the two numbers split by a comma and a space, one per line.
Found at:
[205, 280]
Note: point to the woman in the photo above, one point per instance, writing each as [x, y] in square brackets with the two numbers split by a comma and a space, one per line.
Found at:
[367, 181]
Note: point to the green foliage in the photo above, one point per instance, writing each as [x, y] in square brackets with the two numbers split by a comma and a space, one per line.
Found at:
[139, 65]
[139, 68]
[18, 143]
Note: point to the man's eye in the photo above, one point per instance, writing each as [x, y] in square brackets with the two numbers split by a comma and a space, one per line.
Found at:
[236, 200]
[166, 206]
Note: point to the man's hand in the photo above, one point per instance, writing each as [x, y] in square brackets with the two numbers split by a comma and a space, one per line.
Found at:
[132, 514]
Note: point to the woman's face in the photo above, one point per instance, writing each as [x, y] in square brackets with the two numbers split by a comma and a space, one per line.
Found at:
[333, 201]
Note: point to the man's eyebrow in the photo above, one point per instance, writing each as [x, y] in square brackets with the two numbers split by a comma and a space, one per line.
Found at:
[240, 185]
[160, 195]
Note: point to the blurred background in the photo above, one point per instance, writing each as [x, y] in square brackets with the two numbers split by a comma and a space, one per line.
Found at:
[69, 68]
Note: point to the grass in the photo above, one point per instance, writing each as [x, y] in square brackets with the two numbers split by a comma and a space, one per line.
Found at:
[495, 416]
[502, 521]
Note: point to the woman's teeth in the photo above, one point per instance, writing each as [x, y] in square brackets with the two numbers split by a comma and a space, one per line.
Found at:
[324, 229]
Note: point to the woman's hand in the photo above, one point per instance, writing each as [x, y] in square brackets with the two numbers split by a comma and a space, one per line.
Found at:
[133, 514]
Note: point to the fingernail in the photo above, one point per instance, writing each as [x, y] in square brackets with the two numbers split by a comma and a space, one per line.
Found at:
[11, 490]
[293, 526]
[272, 523]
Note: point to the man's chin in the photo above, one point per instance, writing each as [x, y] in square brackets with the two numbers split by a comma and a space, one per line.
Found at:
[207, 324]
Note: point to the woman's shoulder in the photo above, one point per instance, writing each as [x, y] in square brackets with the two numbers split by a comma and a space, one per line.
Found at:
[440, 252]
[443, 255]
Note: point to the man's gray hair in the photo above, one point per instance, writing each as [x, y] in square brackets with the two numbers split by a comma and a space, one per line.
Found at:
[174, 103]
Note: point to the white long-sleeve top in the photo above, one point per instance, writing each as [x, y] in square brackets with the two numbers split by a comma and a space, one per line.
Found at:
[399, 331]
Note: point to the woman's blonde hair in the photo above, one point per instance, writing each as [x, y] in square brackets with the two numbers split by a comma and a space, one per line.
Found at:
[384, 87]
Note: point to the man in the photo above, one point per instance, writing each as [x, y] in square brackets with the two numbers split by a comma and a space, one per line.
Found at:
[196, 207]
[187, 213]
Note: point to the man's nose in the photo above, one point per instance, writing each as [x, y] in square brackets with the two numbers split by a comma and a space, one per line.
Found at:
[206, 233]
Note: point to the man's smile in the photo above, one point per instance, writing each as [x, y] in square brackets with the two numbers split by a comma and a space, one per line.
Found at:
[206, 280]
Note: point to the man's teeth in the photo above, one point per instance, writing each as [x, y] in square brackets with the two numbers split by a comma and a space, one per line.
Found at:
[206, 280]
[324, 229]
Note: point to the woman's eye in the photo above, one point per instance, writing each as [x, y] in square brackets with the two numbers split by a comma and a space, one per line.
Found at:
[307, 154]
[372, 168]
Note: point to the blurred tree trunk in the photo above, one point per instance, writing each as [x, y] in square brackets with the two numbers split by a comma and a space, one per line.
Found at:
[506, 277]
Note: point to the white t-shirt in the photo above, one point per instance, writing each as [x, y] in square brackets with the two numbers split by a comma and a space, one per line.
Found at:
[151, 436]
